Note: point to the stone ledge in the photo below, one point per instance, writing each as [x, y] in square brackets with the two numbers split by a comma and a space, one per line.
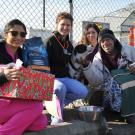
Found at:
[75, 127]
[116, 125]
[118, 128]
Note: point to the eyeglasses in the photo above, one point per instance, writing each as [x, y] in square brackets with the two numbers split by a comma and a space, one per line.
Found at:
[15, 34]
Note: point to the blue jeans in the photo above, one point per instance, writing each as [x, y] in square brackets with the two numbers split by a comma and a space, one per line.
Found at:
[68, 90]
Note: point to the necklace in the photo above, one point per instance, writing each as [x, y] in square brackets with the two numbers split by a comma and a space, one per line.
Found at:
[63, 46]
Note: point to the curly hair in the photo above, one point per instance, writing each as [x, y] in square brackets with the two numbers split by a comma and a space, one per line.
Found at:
[64, 15]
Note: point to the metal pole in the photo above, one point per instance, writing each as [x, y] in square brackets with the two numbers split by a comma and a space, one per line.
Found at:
[43, 13]
[71, 12]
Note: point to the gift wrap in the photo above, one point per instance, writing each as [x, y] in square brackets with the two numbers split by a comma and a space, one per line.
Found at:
[30, 85]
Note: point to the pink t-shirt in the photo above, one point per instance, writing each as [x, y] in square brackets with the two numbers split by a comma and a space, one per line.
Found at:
[10, 52]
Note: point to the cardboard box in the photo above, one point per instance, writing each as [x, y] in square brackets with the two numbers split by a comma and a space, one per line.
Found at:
[31, 85]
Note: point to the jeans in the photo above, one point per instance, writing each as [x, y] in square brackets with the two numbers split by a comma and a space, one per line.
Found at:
[68, 90]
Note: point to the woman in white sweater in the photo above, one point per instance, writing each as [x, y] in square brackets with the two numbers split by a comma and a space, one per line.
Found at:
[111, 55]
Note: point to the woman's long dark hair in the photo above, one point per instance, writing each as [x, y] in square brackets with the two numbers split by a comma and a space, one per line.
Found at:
[105, 59]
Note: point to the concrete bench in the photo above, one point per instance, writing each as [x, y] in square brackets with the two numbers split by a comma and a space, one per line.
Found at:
[75, 127]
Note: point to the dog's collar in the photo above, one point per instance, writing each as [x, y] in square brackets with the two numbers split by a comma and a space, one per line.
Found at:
[72, 65]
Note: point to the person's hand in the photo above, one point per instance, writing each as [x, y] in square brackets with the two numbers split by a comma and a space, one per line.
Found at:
[12, 73]
[122, 63]
[131, 69]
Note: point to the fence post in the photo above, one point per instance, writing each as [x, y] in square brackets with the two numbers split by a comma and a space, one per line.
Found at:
[71, 12]
[44, 13]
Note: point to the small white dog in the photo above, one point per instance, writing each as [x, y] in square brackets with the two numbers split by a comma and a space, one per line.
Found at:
[79, 53]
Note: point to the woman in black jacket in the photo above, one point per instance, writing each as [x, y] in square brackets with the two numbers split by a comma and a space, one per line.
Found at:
[59, 50]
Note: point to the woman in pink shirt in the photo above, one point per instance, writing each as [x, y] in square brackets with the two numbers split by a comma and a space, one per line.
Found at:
[16, 115]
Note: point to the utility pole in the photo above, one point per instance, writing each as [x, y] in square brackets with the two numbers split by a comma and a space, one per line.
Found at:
[44, 13]
[71, 12]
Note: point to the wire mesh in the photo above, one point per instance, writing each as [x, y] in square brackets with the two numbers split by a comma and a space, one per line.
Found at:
[39, 15]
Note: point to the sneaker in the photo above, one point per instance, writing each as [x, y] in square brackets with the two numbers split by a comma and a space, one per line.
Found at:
[55, 120]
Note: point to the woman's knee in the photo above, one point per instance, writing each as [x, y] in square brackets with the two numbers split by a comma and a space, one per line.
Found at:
[83, 91]
[36, 107]
[40, 123]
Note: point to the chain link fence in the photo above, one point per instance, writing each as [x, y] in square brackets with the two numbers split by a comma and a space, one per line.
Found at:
[39, 15]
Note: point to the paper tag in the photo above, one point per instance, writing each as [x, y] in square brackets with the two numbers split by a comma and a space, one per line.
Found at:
[18, 64]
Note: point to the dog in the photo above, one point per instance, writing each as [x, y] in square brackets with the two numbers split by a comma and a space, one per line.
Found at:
[79, 53]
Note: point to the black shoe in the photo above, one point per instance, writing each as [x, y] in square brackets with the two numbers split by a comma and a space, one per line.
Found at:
[130, 119]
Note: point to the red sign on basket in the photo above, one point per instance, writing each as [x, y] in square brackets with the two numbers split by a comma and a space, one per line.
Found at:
[32, 84]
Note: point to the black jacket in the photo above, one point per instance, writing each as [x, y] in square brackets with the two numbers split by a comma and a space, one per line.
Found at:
[57, 59]
[5, 58]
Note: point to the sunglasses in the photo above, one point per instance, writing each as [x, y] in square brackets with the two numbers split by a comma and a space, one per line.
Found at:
[15, 34]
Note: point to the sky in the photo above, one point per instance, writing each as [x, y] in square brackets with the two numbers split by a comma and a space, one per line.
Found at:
[31, 11]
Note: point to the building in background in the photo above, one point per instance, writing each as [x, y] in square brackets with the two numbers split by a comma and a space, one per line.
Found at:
[101, 25]
[120, 21]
